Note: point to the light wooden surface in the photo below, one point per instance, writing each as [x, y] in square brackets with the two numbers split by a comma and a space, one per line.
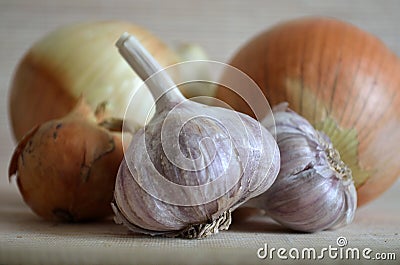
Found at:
[220, 27]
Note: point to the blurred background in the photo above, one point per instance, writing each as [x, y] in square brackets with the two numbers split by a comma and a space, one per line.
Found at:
[220, 27]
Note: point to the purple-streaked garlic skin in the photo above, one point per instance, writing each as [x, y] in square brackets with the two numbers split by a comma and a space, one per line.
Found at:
[225, 154]
[314, 189]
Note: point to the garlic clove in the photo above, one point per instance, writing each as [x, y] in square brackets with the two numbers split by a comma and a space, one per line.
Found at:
[192, 164]
[314, 189]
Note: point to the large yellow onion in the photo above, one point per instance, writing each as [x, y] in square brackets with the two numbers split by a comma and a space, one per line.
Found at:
[80, 60]
[345, 81]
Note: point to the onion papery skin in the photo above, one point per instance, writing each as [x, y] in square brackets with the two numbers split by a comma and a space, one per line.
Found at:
[80, 60]
[343, 80]
[65, 168]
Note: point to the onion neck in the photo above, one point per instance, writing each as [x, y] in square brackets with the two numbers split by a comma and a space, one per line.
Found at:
[148, 69]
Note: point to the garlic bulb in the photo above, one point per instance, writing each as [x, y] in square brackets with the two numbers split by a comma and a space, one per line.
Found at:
[314, 189]
[192, 164]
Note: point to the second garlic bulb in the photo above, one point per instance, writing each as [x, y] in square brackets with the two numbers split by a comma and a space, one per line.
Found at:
[314, 189]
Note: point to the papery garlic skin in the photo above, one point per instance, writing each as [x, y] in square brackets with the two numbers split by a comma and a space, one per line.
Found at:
[314, 189]
[192, 164]
[249, 178]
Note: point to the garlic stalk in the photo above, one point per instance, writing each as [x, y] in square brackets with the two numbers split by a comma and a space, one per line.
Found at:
[314, 189]
[192, 164]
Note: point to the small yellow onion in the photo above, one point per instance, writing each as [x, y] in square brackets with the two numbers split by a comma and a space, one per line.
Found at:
[75, 60]
[341, 79]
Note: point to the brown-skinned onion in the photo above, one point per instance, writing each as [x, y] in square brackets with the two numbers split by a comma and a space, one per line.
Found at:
[344, 80]
[66, 168]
